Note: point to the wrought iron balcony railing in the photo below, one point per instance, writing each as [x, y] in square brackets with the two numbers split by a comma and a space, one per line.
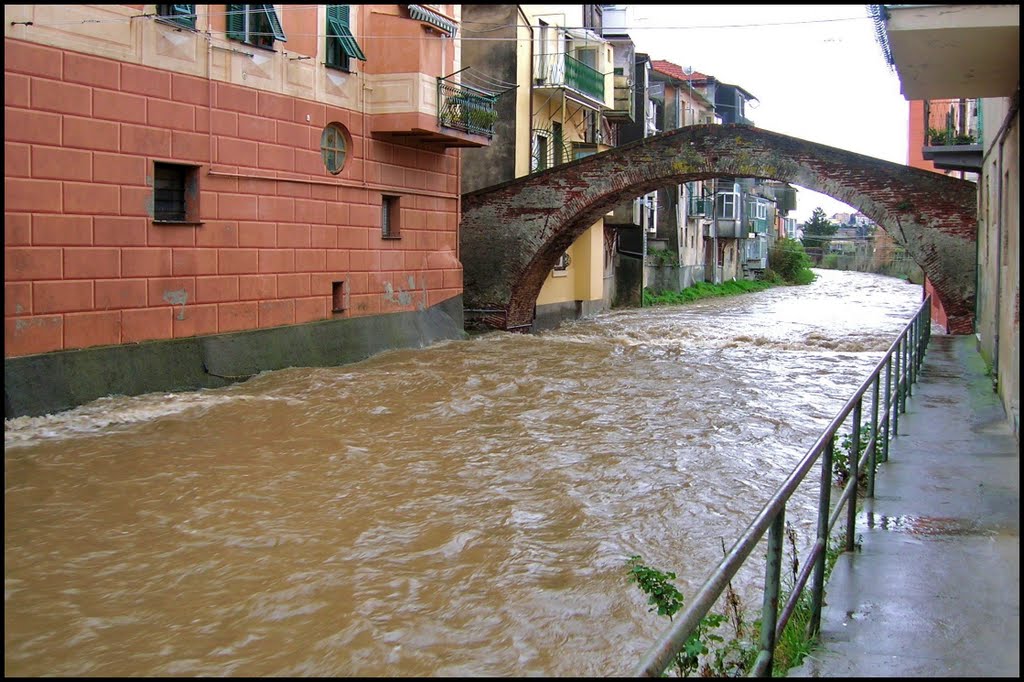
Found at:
[563, 71]
[464, 108]
[952, 122]
[952, 132]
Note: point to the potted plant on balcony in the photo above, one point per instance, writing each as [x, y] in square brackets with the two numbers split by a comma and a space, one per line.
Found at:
[482, 119]
[937, 138]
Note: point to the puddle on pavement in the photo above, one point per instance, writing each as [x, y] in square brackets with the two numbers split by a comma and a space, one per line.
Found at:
[923, 525]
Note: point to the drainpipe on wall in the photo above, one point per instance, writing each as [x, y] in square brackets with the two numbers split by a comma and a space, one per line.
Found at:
[643, 254]
[714, 232]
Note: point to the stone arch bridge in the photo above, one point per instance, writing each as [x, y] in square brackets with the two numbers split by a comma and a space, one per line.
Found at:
[512, 234]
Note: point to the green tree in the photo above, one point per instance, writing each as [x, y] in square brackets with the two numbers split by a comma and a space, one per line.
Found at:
[789, 261]
[817, 230]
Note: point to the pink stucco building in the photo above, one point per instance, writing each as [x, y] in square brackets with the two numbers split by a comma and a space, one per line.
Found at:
[192, 171]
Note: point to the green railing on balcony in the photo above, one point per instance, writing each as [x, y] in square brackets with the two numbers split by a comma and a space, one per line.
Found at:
[564, 71]
[952, 122]
[464, 108]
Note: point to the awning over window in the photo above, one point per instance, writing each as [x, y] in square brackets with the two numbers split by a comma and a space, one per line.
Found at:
[420, 13]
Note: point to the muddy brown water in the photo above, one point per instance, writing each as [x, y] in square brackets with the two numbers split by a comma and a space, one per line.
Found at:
[465, 509]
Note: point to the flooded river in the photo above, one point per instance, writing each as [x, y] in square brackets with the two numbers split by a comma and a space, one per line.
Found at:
[461, 510]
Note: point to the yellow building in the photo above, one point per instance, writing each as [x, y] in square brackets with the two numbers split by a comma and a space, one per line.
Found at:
[556, 83]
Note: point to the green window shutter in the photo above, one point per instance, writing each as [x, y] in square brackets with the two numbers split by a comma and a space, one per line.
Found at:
[182, 15]
[185, 15]
[339, 13]
[338, 30]
[275, 24]
[236, 22]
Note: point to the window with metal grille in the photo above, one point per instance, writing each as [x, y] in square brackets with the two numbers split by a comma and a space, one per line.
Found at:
[341, 44]
[182, 15]
[390, 222]
[174, 192]
[559, 148]
[539, 160]
[255, 25]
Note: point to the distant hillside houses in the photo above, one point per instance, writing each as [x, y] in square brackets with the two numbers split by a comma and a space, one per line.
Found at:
[852, 225]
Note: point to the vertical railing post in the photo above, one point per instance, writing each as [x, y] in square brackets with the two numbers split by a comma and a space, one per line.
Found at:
[897, 357]
[888, 409]
[824, 510]
[923, 335]
[772, 588]
[851, 511]
[873, 442]
[912, 349]
[903, 379]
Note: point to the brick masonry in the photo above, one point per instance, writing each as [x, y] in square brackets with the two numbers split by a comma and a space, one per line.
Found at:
[512, 234]
[85, 265]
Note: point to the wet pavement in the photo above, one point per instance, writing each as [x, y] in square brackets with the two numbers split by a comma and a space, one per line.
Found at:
[934, 588]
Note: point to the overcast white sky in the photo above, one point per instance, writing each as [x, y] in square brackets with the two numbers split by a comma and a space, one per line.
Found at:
[816, 70]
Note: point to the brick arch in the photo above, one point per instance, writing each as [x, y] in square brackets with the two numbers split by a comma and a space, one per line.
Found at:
[512, 234]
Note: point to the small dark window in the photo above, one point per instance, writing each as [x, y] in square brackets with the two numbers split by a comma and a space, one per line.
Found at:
[563, 262]
[256, 25]
[338, 297]
[175, 189]
[182, 15]
[390, 218]
[341, 44]
[540, 156]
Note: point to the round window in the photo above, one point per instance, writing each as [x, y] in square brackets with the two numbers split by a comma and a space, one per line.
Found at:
[333, 147]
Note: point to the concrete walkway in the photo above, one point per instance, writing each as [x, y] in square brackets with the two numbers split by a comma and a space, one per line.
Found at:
[934, 590]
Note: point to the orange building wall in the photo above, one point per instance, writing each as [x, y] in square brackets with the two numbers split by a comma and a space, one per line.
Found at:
[915, 159]
[85, 265]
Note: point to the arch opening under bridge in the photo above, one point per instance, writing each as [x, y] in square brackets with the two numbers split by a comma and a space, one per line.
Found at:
[513, 234]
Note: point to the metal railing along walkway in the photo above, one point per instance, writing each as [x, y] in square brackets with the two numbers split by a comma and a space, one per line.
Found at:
[889, 385]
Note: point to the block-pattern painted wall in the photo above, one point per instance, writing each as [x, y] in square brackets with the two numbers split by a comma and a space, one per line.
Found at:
[86, 265]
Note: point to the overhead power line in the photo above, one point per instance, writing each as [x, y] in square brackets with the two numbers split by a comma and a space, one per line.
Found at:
[463, 24]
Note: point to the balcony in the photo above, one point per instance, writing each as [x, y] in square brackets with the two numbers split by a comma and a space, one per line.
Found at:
[461, 107]
[562, 71]
[624, 110]
[953, 134]
[952, 50]
[701, 206]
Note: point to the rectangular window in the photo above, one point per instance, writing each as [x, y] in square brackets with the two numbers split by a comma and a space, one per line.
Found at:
[341, 44]
[562, 266]
[255, 25]
[762, 210]
[726, 204]
[539, 161]
[175, 193]
[559, 145]
[182, 15]
[390, 218]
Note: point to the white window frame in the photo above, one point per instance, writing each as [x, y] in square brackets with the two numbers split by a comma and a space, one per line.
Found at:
[729, 200]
